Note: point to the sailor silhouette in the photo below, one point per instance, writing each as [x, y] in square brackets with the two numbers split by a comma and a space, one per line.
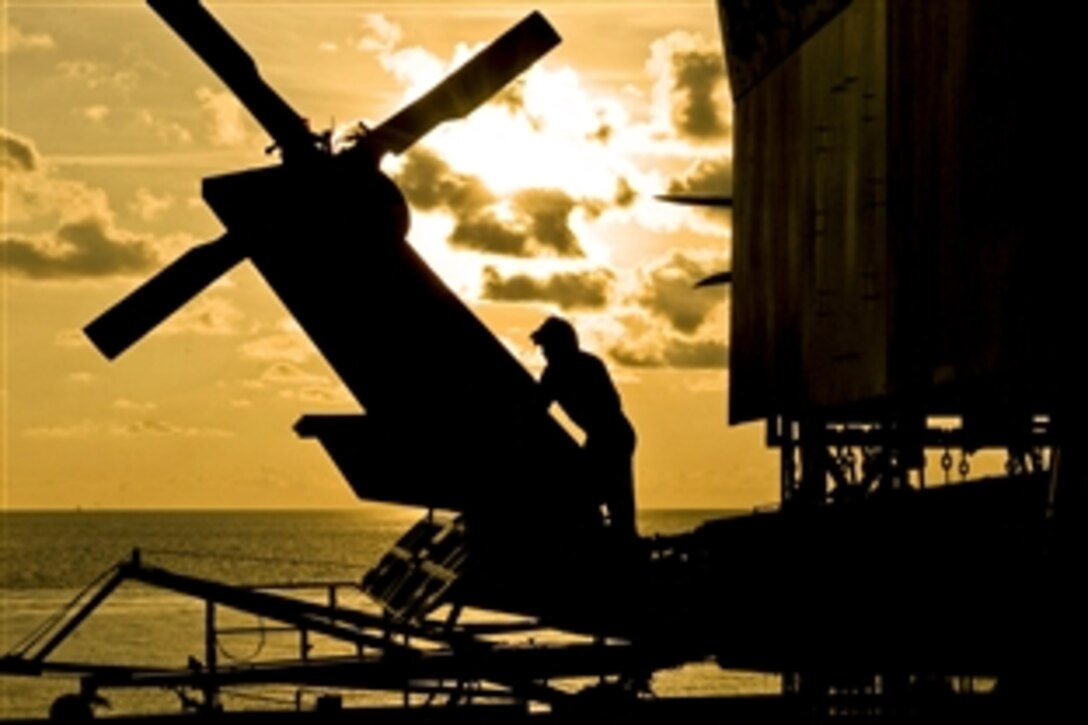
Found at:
[579, 382]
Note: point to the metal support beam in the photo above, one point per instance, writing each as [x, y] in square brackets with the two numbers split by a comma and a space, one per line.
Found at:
[211, 659]
[85, 611]
[304, 615]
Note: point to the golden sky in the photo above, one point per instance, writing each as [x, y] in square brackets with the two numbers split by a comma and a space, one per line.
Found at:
[539, 202]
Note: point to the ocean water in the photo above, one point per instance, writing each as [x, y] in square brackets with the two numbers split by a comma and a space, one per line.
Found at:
[46, 558]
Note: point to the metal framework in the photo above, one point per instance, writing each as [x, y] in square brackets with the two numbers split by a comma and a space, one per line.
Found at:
[828, 461]
[448, 661]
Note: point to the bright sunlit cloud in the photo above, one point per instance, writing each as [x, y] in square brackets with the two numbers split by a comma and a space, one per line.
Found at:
[518, 202]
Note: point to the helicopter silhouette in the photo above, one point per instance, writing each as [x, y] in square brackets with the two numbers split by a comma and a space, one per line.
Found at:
[452, 420]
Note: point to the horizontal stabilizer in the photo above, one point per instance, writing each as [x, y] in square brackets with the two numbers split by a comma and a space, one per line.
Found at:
[119, 327]
[371, 459]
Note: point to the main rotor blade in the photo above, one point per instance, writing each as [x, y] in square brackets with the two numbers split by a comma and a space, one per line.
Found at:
[115, 330]
[222, 53]
[467, 87]
[716, 279]
[697, 199]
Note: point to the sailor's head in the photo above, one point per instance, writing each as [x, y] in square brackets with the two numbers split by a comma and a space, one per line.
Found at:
[556, 338]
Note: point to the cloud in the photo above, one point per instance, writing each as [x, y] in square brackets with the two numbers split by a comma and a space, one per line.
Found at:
[705, 176]
[206, 315]
[293, 382]
[318, 395]
[87, 248]
[70, 339]
[285, 373]
[531, 221]
[96, 76]
[671, 351]
[690, 87]
[285, 346]
[605, 130]
[542, 133]
[485, 232]
[14, 40]
[418, 69]
[570, 290]
[225, 117]
[711, 177]
[546, 212]
[663, 321]
[162, 428]
[626, 195]
[150, 427]
[17, 154]
[666, 290]
[429, 184]
[165, 130]
[126, 404]
[41, 197]
[83, 241]
[84, 429]
[567, 165]
[124, 75]
[38, 198]
[147, 206]
[380, 34]
[636, 338]
[567, 168]
[512, 96]
[32, 190]
[96, 113]
[714, 382]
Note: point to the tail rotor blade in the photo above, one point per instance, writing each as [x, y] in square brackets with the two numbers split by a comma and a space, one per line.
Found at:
[467, 87]
[125, 323]
[222, 53]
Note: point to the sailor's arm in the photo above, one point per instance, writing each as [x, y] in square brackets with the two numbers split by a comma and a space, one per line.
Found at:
[545, 390]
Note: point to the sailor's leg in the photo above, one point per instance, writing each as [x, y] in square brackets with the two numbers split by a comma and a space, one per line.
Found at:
[620, 496]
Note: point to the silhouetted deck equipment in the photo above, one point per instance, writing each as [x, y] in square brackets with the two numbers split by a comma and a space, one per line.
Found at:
[894, 296]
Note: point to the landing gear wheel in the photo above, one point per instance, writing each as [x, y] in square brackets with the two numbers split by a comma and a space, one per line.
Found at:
[72, 708]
